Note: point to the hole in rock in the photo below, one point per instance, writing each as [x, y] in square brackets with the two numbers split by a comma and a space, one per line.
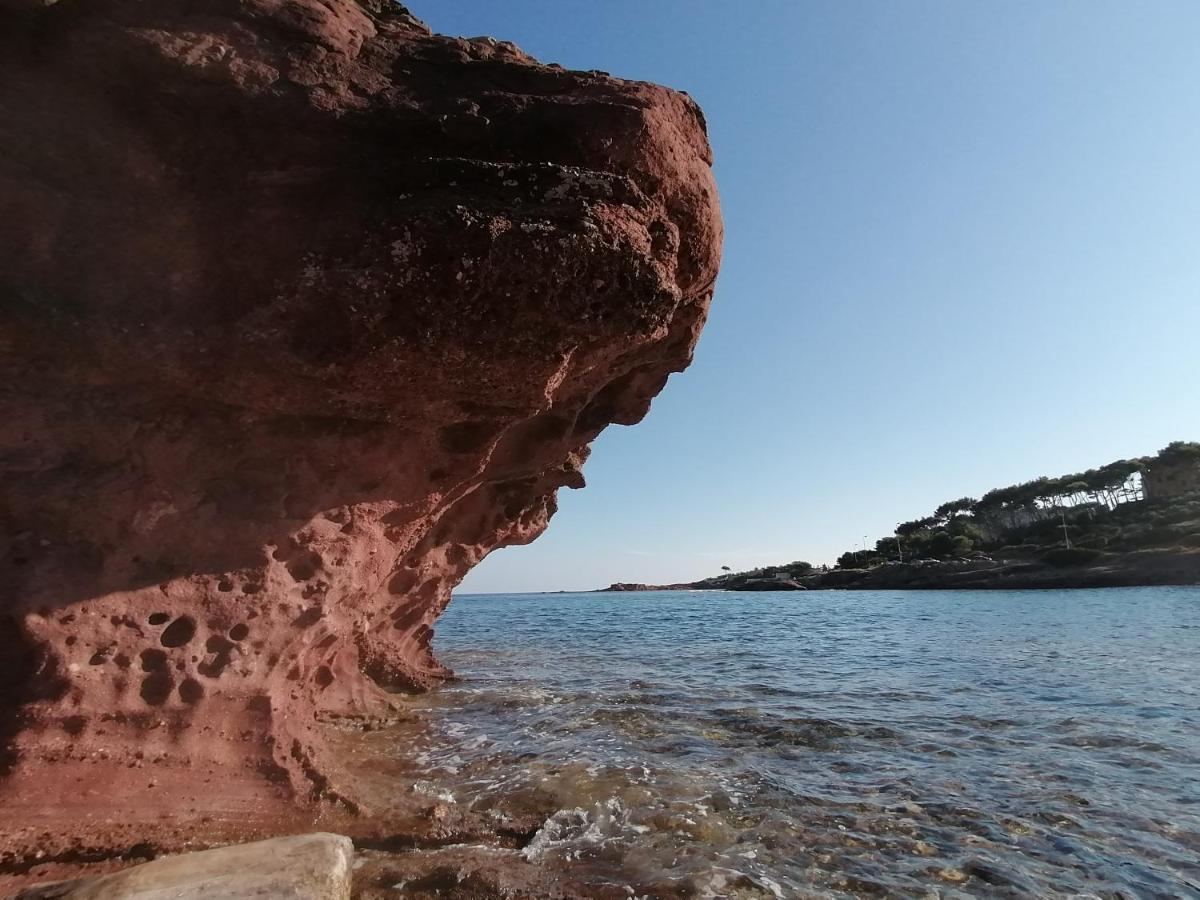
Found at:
[225, 585]
[323, 677]
[178, 632]
[217, 644]
[74, 725]
[159, 618]
[304, 566]
[153, 660]
[516, 496]
[239, 632]
[100, 657]
[191, 691]
[221, 649]
[156, 688]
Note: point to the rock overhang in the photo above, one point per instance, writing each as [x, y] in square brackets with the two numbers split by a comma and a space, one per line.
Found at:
[306, 310]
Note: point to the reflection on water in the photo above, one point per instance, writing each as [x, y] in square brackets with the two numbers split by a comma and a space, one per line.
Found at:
[831, 744]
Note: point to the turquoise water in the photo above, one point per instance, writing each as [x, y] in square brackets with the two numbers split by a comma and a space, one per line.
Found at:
[1024, 743]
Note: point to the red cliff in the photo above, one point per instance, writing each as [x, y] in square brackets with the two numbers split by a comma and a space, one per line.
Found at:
[303, 311]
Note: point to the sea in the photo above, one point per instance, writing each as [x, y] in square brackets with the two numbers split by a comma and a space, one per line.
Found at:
[833, 743]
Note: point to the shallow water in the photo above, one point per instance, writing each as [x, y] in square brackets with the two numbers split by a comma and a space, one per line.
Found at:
[1024, 743]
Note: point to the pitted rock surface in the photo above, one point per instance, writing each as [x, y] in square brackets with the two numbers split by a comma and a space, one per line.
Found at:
[303, 311]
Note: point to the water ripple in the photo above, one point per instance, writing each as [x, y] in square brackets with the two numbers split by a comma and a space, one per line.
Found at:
[1032, 743]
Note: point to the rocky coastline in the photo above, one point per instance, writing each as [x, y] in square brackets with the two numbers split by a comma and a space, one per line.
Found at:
[304, 310]
[1135, 569]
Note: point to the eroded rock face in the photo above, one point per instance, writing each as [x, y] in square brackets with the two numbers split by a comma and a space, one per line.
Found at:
[303, 311]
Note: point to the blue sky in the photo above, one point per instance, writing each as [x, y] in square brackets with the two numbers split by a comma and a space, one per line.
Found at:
[962, 250]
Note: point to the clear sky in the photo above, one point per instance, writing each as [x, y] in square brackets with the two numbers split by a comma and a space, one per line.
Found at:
[962, 250]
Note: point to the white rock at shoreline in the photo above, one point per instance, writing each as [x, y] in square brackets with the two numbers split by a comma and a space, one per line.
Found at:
[302, 867]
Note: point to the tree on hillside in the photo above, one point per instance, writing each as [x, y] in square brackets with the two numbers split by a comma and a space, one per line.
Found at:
[1178, 452]
[1078, 492]
[1028, 511]
[943, 544]
[858, 559]
[968, 530]
[952, 508]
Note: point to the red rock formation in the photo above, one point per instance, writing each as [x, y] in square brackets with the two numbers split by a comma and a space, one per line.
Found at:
[303, 311]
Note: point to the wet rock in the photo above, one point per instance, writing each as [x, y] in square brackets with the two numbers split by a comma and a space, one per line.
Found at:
[307, 867]
[720, 801]
[999, 877]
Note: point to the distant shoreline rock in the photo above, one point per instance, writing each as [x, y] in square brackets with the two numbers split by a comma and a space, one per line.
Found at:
[1142, 568]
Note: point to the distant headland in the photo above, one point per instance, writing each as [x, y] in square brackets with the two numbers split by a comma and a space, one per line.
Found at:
[1131, 522]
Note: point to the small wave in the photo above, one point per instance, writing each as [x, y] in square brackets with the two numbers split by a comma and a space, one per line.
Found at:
[575, 832]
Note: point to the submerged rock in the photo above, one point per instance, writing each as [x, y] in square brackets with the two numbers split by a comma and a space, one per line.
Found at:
[303, 311]
[305, 867]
